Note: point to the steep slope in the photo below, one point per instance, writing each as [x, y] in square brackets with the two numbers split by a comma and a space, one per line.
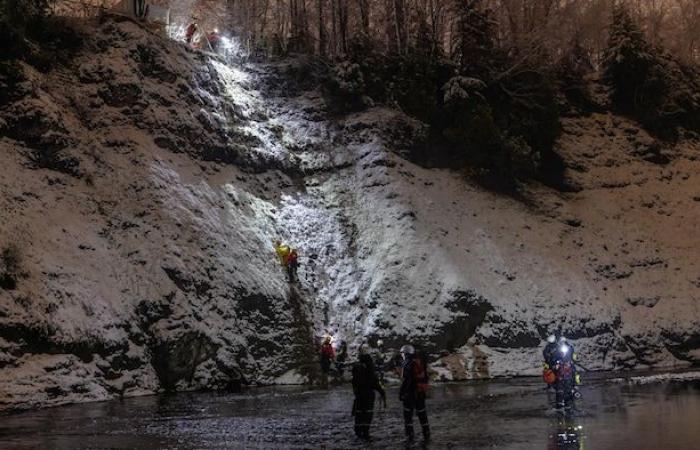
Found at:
[142, 202]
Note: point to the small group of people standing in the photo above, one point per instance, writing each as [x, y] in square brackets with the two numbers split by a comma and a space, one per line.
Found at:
[289, 258]
[366, 383]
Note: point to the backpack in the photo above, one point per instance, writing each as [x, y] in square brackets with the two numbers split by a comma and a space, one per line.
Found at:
[420, 375]
[549, 376]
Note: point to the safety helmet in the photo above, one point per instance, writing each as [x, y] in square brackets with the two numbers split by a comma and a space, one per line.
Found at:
[327, 340]
[380, 343]
[408, 349]
[551, 339]
[562, 340]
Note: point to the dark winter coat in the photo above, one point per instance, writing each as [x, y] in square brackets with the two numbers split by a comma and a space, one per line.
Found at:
[365, 381]
[550, 353]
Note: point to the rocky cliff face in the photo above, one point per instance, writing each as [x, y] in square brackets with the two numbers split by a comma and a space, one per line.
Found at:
[142, 185]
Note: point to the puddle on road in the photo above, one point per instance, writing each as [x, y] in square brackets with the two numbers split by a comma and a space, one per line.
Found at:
[505, 415]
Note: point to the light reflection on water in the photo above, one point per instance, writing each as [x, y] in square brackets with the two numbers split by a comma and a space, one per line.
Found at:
[505, 415]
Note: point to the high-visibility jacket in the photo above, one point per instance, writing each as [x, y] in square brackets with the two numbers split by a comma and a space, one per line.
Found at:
[283, 251]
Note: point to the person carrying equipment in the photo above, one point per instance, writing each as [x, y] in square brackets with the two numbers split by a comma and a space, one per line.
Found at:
[364, 383]
[550, 358]
[414, 387]
[567, 377]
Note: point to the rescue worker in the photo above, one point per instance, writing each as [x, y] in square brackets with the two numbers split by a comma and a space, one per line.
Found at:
[190, 31]
[380, 360]
[292, 265]
[340, 358]
[549, 353]
[550, 350]
[567, 376]
[283, 252]
[364, 383]
[414, 386]
[327, 356]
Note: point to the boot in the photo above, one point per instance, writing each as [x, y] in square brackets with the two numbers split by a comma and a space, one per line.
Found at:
[409, 433]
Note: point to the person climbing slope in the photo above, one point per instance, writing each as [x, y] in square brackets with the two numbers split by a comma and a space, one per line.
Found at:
[283, 252]
[293, 265]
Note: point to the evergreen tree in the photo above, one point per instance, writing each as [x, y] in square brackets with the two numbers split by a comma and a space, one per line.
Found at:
[475, 49]
[628, 63]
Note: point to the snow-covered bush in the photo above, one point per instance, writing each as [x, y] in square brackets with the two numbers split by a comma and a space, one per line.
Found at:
[572, 71]
[347, 85]
[646, 82]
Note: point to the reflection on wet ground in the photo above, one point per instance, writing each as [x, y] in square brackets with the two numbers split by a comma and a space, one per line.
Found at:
[502, 414]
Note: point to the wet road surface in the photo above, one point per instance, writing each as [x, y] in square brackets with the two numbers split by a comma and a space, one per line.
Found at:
[513, 414]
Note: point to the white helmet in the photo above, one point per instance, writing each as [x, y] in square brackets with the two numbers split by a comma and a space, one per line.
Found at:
[408, 349]
[380, 343]
[551, 339]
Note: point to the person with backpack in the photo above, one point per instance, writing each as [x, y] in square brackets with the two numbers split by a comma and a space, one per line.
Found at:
[414, 387]
[549, 354]
[364, 383]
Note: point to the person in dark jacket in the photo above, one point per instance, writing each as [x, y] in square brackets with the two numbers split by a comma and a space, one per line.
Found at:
[340, 358]
[364, 383]
[550, 351]
[414, 387]
[292, 266]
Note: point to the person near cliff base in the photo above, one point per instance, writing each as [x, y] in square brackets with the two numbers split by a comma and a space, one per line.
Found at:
[550, 358]
[364, 384]
[414, 387]
[327, 357]
[340, 358]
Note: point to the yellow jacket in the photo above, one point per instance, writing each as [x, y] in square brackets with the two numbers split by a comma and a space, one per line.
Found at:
[283, 251]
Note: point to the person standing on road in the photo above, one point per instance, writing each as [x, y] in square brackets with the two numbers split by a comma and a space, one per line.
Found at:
[414, 387]
[364, 383]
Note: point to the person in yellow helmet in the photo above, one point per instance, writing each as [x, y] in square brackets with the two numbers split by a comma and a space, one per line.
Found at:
[283, 252]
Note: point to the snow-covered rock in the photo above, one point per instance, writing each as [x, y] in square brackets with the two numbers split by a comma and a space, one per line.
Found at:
[144, 235]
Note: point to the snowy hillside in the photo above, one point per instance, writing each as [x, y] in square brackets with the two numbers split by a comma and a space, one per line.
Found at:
[144, 235]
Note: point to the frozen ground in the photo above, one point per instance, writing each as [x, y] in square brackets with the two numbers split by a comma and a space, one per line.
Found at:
[502, 414]
[144, 235]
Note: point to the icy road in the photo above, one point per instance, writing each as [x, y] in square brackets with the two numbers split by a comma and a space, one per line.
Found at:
[642, 413]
